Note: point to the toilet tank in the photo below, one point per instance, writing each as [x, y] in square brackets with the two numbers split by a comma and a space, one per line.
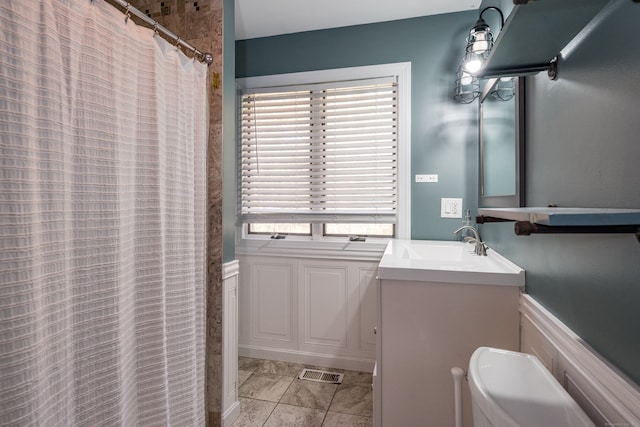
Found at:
[511, 389]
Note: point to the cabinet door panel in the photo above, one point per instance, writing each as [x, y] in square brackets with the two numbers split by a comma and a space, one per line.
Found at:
[273, 301]
[324, 306]
[367, 309]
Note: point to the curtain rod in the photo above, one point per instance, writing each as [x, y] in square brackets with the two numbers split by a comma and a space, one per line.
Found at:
[203, 57]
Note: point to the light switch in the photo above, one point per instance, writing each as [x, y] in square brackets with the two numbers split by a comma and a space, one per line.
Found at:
[451, 208]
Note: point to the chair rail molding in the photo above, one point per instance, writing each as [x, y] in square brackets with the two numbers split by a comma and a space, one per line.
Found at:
[604, 393]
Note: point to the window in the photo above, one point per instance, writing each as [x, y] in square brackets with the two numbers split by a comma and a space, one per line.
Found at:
[320, 159]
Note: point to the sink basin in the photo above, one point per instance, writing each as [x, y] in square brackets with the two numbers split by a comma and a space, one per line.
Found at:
[446, 262]
[435, 252]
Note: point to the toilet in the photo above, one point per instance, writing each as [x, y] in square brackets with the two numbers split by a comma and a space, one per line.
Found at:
[511, 389]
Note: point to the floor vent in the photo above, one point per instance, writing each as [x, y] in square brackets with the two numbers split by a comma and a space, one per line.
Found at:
[321, 376]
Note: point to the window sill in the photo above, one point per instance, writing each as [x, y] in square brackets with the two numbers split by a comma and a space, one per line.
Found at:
[370, 250]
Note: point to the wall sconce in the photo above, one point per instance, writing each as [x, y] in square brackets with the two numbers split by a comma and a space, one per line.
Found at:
[467, 87]
[479, 42]
[504, 89]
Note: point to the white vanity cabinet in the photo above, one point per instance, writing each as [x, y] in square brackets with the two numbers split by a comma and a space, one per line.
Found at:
[426, 327]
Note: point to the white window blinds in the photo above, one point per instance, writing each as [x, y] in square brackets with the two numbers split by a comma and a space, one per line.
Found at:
[320, 153]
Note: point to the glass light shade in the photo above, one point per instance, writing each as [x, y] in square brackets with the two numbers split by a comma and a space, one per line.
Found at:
[467, 87]
[479, 44]
[466, 79]
[504, 89]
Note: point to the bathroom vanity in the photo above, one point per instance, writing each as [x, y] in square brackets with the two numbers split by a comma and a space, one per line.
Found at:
[438, 302]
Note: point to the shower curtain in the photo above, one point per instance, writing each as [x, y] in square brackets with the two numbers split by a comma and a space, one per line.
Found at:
[103, 129]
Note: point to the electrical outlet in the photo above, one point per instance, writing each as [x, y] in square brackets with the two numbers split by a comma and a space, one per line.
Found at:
[427, 178]
[451, 208]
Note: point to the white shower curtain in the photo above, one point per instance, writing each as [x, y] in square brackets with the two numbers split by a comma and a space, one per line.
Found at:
[102, 220]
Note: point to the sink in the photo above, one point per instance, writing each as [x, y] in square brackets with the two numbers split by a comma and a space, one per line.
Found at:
[446, 262]
[432, 252]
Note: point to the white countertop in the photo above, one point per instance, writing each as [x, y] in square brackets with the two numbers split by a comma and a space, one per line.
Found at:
[446, 262]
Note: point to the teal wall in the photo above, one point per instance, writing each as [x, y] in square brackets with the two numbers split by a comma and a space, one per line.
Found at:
[443, 132]
[228, 134]
[583, 149]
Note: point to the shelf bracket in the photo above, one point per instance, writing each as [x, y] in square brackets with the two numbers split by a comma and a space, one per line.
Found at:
[526, 228]
[525, 70]
[481, 219]
[552, 72]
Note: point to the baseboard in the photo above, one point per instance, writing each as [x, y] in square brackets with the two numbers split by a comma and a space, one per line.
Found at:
[604, 393]
[307, 358]
[231, 414]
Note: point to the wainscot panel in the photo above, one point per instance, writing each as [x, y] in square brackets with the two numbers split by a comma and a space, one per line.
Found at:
[310, 311]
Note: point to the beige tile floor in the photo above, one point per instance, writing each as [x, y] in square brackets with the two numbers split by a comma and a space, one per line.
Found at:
[272, 396]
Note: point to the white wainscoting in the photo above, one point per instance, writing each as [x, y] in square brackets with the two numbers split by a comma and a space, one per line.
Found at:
[230, 400]
[308, 310]
[606, 395]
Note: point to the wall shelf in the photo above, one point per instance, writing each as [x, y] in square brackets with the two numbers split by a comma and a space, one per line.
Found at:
[564, 220]
[536, 32]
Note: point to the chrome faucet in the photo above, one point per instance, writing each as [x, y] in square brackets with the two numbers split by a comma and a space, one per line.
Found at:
[480, 247]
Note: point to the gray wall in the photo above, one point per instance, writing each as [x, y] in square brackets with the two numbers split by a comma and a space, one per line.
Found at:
[228, 134]
[444, 135]
[583, 150]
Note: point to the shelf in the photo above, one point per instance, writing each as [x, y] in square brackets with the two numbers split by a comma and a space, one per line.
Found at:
[565, 220]
[536, 32]
[566, 216]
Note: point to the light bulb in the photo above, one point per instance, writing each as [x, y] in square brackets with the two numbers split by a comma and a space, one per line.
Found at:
[480, 46]
[466, 79]
[473, 65]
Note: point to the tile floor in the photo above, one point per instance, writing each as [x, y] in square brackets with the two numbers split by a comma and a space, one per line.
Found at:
[272, 396]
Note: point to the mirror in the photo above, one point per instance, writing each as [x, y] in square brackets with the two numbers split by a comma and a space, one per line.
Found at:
[501, 119]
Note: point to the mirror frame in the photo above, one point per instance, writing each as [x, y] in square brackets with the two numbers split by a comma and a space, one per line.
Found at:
[518, 199]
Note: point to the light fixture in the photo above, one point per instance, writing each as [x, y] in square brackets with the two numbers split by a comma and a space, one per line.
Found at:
[479, 43]
[504, 89]
[467, 87]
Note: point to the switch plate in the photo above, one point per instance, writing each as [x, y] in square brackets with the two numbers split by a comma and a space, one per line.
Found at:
[427, 178]
[451, 208]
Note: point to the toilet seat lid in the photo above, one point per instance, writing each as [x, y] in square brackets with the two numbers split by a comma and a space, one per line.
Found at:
[515, 389]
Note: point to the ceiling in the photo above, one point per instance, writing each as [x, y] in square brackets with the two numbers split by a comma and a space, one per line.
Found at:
[263, 18]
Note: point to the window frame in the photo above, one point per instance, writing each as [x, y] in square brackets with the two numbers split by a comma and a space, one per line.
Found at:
[317, 244]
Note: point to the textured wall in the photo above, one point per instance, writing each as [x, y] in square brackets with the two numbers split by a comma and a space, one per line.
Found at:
[200, 23]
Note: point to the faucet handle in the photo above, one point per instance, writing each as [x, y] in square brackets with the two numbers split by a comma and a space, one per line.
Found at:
[481, 249]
